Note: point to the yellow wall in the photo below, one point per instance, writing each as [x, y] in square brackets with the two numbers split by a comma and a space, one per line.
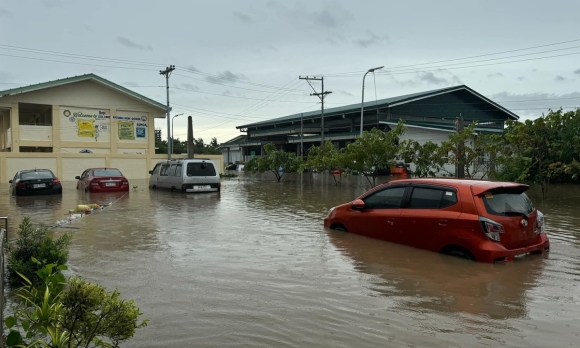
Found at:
[68, 165]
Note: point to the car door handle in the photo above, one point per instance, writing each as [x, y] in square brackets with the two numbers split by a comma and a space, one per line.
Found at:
[442, 222]
[391, 221]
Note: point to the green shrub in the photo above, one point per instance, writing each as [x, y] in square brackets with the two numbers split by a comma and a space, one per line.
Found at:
[34, 242]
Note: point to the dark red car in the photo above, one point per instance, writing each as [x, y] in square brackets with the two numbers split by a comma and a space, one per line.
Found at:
[102, 180]
[478, 220]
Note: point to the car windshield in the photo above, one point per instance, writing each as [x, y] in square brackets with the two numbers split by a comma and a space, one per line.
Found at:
[200, 169]
[507, 202]
[106, 172]
[41, 174]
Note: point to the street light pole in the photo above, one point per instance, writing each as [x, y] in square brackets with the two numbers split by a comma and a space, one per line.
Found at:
[172, 135]
[363, 98]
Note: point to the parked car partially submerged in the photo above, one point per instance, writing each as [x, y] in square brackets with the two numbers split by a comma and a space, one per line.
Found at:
[185, 175]
[102, 180]
[477, 220]
[35, 182]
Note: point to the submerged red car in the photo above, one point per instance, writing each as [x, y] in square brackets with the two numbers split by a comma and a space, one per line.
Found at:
[102, 180]
[478, 220]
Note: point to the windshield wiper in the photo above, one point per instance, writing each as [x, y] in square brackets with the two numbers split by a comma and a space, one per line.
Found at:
[515, 213]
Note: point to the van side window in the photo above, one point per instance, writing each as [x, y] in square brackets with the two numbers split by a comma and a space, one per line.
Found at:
[177, 170]
[385, 199]
[432, 198]
[172, 169]
[156, 169]
[200, 169]
[164, 170]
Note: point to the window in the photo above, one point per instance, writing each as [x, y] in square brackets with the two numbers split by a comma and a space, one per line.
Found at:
[107, 172]
[178, 170]
[507, 202]
[156, 169]
[34, 114]
[164, 170]
[432, 198]
[41, 174]
[200, 169]
[172, 170]
[384, 199]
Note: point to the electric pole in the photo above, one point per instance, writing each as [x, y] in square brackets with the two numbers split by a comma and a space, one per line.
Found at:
[320, 95]
[167, 73]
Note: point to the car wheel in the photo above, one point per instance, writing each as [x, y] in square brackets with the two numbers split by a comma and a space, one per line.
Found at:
[459, 252]
[339, 228]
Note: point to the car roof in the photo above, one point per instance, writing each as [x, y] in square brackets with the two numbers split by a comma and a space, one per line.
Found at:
[477, 186]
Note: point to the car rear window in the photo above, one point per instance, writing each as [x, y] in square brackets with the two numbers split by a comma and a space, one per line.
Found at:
[107, 172]
[507, 202]
[200, 169]
[41, 174]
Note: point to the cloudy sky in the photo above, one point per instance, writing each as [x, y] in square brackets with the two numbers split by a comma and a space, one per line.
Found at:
[238, 61]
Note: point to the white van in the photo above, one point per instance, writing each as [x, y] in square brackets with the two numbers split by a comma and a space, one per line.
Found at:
[185, 175]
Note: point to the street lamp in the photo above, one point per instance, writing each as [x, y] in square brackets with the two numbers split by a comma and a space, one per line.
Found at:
[172, 137]
[363, 98]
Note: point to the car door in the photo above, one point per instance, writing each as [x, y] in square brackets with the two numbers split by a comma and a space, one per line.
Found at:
[154, 175]
[81, 182]
[429, 213]
[13, 183]
[380, 216]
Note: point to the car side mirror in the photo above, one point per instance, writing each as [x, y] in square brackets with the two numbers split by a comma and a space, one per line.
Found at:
[10, 181]
[358, 204]
[78, 177]
[150, 172]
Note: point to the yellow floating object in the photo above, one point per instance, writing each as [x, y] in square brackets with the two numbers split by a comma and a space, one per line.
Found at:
[82, 208]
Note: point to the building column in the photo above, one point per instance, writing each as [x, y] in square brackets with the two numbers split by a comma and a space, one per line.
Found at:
[56, 129]
[15, 128]
[150, 134]
[113, 131]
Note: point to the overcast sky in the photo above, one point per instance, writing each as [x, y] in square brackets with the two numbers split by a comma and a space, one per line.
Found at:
[238, 61]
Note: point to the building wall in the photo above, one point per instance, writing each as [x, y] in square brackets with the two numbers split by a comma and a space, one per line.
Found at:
[68, 165]
[85, 115]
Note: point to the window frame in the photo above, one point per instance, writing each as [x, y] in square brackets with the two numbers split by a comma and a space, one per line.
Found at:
[389, 187]
[164, 166]
[407, 200]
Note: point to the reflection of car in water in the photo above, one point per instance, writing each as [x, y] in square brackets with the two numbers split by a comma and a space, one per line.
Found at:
[428, 282]
[478, 220]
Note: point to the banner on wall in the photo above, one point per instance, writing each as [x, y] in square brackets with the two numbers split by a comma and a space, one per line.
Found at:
[86, 123]
[126, 130]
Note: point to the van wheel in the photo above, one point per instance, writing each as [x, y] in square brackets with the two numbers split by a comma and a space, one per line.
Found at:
[457, 251]
[339, 227]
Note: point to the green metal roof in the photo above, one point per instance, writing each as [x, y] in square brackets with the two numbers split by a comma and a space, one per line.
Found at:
[49, 84]
[388, 102]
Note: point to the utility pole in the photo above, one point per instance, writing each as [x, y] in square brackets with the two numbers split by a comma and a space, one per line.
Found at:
[167, 73]
[189, 137]
[320, 95]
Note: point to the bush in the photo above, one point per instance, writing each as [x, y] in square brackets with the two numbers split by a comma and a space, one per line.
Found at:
[34, 242]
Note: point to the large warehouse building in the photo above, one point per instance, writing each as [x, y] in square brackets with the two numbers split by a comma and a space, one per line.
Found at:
[429, 115]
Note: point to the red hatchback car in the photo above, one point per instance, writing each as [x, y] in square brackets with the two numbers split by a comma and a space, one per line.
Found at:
[102, 180]
[478, 220]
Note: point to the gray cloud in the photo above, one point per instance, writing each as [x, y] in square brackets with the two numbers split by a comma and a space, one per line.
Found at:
[332, 17]
[88, 27]
[56, 3]
[371, 39]
[577, 71]
[559, 78]
[5, 13]
[129, 84]
[336, 38]
[346, 93]
[226, 76]
[521, 78]
[495, 75]
[429, 78]
[190, 68]
[243, 17]
[130, 44]
[189, 86]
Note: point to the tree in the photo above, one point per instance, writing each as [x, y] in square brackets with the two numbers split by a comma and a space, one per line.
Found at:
[426, 157]
[326, 158]
[375, 150]
[214, 143]
[275, 161]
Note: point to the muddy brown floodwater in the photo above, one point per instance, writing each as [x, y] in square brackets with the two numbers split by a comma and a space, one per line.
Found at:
[254, 267]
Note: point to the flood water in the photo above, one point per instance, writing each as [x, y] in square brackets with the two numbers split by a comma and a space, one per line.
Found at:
[254, 267]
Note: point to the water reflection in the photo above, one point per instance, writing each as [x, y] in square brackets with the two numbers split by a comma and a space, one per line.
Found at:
[431, 282]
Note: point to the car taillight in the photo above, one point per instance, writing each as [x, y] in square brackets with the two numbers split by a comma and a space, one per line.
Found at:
[125, 183]
[540, 223]
[20, 185]
[491, 228]
[55, 182]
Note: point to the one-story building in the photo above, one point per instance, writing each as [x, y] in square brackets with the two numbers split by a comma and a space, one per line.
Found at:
[429, 115]
[75, 123]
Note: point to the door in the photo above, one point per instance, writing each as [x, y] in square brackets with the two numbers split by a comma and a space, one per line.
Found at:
[82, 183]
[380, 217]
[154, 175]
[163, 178]
[430, 213]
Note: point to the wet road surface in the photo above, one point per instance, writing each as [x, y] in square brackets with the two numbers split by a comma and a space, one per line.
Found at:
[254, 267]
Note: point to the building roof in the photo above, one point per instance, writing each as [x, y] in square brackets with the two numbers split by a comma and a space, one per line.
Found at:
[388, 102]
[93, 77]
